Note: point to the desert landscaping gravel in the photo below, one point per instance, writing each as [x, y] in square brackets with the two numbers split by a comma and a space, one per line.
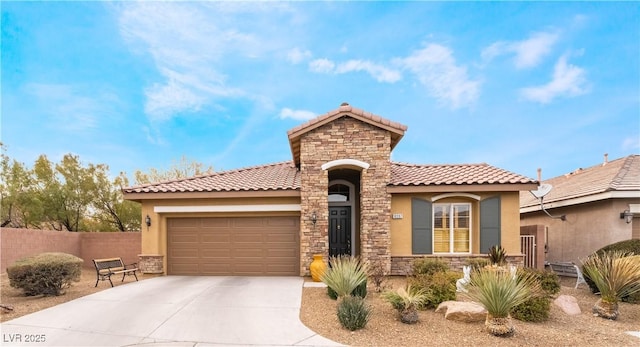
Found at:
[318, 312]
[385, 329]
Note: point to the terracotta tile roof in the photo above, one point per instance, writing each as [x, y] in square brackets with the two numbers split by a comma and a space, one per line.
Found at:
[285, 176]
[452, 174]
[396, 129]
[278, 176]
[621, 174]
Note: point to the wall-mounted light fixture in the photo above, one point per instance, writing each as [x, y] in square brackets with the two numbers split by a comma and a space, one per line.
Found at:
[627, 216]
[147, 221]
[314, 218]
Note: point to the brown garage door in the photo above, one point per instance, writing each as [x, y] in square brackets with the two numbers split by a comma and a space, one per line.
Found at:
[233, 246]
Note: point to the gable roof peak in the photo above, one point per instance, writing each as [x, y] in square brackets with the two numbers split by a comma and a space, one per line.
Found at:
[345, 110]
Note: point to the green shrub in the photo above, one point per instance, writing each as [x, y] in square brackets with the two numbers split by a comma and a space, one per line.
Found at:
[627, 246]
[439, 287]
[548, 280]
[617, 275]
[344, 275]
[632, 299]
[45, 274]
[360, 291]
[428, 266]
[477, 263]
[353, 312]
[497, 255]
[535, 309]
[406, 301]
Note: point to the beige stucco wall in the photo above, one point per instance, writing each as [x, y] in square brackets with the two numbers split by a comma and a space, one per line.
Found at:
[588, 227]
[510, 230]
[154, 238]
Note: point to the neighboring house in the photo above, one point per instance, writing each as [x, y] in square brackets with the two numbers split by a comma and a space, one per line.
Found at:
[340, 194]
[601, 205]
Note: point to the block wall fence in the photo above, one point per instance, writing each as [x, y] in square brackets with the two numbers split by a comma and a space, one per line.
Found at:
[19, 243]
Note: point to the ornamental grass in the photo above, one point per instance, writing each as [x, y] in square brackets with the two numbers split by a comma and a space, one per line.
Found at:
[617, 275]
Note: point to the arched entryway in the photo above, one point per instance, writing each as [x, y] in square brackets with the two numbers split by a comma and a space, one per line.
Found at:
[344, 202]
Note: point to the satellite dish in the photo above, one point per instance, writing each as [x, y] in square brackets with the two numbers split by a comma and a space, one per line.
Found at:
[542, 190]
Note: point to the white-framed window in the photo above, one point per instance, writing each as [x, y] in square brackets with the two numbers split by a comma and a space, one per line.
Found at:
[452, 228]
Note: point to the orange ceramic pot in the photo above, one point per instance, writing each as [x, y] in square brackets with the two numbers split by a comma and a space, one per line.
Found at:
[317, 267]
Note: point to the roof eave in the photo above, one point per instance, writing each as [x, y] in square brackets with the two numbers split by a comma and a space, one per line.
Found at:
[499, 187]
[139, 196]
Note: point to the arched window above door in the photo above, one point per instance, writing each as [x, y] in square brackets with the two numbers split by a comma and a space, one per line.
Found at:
[339, 193]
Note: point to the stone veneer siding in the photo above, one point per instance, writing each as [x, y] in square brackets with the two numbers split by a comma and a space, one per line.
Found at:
[346, 138]
[402, 266]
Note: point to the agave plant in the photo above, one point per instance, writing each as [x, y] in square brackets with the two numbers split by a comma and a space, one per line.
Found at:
[406, 301]
[499, 292]
[497, 255]
[616, 274]
[344, 275]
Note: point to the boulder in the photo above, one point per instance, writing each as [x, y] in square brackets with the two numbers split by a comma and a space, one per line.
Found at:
[463, 311]
[568, 304]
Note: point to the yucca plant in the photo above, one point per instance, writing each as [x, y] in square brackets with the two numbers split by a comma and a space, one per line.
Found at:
[616, 274]
[353, 312]
[499, 292]
[497, 255]
[344, 274]
[406, 301]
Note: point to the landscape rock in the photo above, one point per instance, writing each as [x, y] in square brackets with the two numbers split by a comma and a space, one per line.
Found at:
[463, 311]
[568, 304]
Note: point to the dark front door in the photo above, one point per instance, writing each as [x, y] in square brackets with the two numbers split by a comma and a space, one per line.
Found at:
[339, 231]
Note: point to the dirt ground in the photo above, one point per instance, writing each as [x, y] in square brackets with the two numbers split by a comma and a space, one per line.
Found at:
[319, 314]
[385, 329]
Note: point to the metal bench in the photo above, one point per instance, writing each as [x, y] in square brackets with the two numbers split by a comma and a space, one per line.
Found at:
[113, 266]
[568, 269]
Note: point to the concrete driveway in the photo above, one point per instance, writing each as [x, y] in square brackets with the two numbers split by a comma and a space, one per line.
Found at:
[174, 311]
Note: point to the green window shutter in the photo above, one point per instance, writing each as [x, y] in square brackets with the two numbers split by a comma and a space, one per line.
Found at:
[489, 223]
[421, 232]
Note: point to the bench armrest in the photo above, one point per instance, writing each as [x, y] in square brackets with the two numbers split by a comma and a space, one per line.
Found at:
[135, 265]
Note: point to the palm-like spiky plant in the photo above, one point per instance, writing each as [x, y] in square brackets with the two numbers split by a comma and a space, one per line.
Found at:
[616, 274]
[499, 292]
[344, 274]
[407, 301]
[497, 255]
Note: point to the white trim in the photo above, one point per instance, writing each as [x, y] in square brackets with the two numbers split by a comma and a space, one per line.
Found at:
[451, 229]
[618, 194]
[344, 162]
[634, 208]
[449, 195]
[227, 208]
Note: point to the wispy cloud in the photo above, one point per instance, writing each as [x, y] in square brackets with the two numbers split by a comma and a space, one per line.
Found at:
[72, 108]
[379, 72]
[631, 143]
[322, 66]
[187, 47]
[297, 55]
[567, 81]
[296, 114]
[527, 53]
[435, 67]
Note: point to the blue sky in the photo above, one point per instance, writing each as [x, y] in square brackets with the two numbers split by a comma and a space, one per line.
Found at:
[138, 85]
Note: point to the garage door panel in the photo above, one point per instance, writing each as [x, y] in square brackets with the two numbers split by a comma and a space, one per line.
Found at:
[184, 238]
[233, 246]
[248, 223]
[214, 223]
[215, 237]
[183, 223]
[216, 253]
[282, 222]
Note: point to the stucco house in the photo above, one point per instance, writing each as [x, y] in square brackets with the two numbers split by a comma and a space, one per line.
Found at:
[340, 194]
[601, 205]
